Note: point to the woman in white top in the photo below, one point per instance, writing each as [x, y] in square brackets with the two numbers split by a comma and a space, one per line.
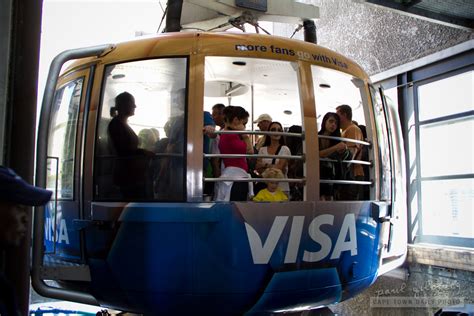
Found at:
[274, 145]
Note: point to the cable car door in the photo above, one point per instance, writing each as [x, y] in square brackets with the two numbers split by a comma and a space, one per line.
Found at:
[63, 167]
[393, 185]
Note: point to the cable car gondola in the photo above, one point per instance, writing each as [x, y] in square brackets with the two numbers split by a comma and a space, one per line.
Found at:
[135, 231]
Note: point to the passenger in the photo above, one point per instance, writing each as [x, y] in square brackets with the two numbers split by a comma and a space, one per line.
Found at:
[295, 166]
[130, 172]
[263, 122]
[208, 131]
[156, 133]
[218, 117]
[147, 139]
[355, 172]
[272, 193]
[332, 149]
[236, 118]
[274, 145]
[15, 194]
[160, 161]
[161, 144]
[170, 180]
[218, 114]
[295, 143]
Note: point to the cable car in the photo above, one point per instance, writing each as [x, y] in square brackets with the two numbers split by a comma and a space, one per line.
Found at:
[137, 231]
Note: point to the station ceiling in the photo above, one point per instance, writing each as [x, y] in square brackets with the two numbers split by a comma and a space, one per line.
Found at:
[457, 13]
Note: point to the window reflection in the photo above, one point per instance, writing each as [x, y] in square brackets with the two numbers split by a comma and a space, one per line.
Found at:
[63, 139]
[447, 148]
[448, 208]
[446, 155]
[140, 141]
[384, 146]
[446, 96]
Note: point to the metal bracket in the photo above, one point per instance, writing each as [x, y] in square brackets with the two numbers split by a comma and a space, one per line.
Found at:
[72, 273]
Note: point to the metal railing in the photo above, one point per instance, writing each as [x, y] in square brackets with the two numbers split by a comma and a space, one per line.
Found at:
[302, 135]
[293, 157]
[347, 140]
[235, 179]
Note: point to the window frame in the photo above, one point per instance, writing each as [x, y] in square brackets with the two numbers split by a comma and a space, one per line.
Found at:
[418, 236]
[187, 59]
[296, 65]
[385, 194]
[77, 128]
[372, 137]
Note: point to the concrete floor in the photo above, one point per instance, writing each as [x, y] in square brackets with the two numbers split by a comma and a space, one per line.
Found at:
[427, 287]
[430, 285]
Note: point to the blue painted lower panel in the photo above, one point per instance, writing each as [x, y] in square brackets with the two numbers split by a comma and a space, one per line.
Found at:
[301, 290]
[231, 259]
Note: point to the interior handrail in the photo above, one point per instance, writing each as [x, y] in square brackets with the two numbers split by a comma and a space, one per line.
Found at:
[357, 162]
[157, 155]
[293, 157]
[237, 179]
[345, 182]
[348, 140]
[244, 132]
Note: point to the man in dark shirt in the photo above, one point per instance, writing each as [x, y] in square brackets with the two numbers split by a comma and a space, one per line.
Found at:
[352, 131]
[15, 195]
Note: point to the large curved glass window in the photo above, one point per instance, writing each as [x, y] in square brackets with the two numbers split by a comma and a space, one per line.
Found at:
[62, 136]
[344, 170]
[140, 146]
[446, 155]
[268, 90]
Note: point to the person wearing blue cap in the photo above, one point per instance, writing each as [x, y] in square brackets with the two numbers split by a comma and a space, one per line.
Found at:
[15, 195]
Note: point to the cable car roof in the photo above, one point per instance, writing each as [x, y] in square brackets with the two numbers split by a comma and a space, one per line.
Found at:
[223, 44]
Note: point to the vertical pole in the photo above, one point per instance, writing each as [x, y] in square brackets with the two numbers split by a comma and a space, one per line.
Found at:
[20, 133]
[310, 31]
[173, 16]
[5, 39]
[305, 85]
[252, 114]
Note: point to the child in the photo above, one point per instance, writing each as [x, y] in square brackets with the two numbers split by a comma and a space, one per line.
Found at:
[272, 193]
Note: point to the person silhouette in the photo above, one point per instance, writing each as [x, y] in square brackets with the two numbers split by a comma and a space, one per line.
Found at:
[130, 172]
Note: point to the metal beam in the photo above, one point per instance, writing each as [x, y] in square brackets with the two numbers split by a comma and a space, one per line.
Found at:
[215, 14]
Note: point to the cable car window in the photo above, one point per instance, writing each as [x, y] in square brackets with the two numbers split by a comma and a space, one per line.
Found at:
[141, 133]
[340, 101]
[268, 91]
[62, 135]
